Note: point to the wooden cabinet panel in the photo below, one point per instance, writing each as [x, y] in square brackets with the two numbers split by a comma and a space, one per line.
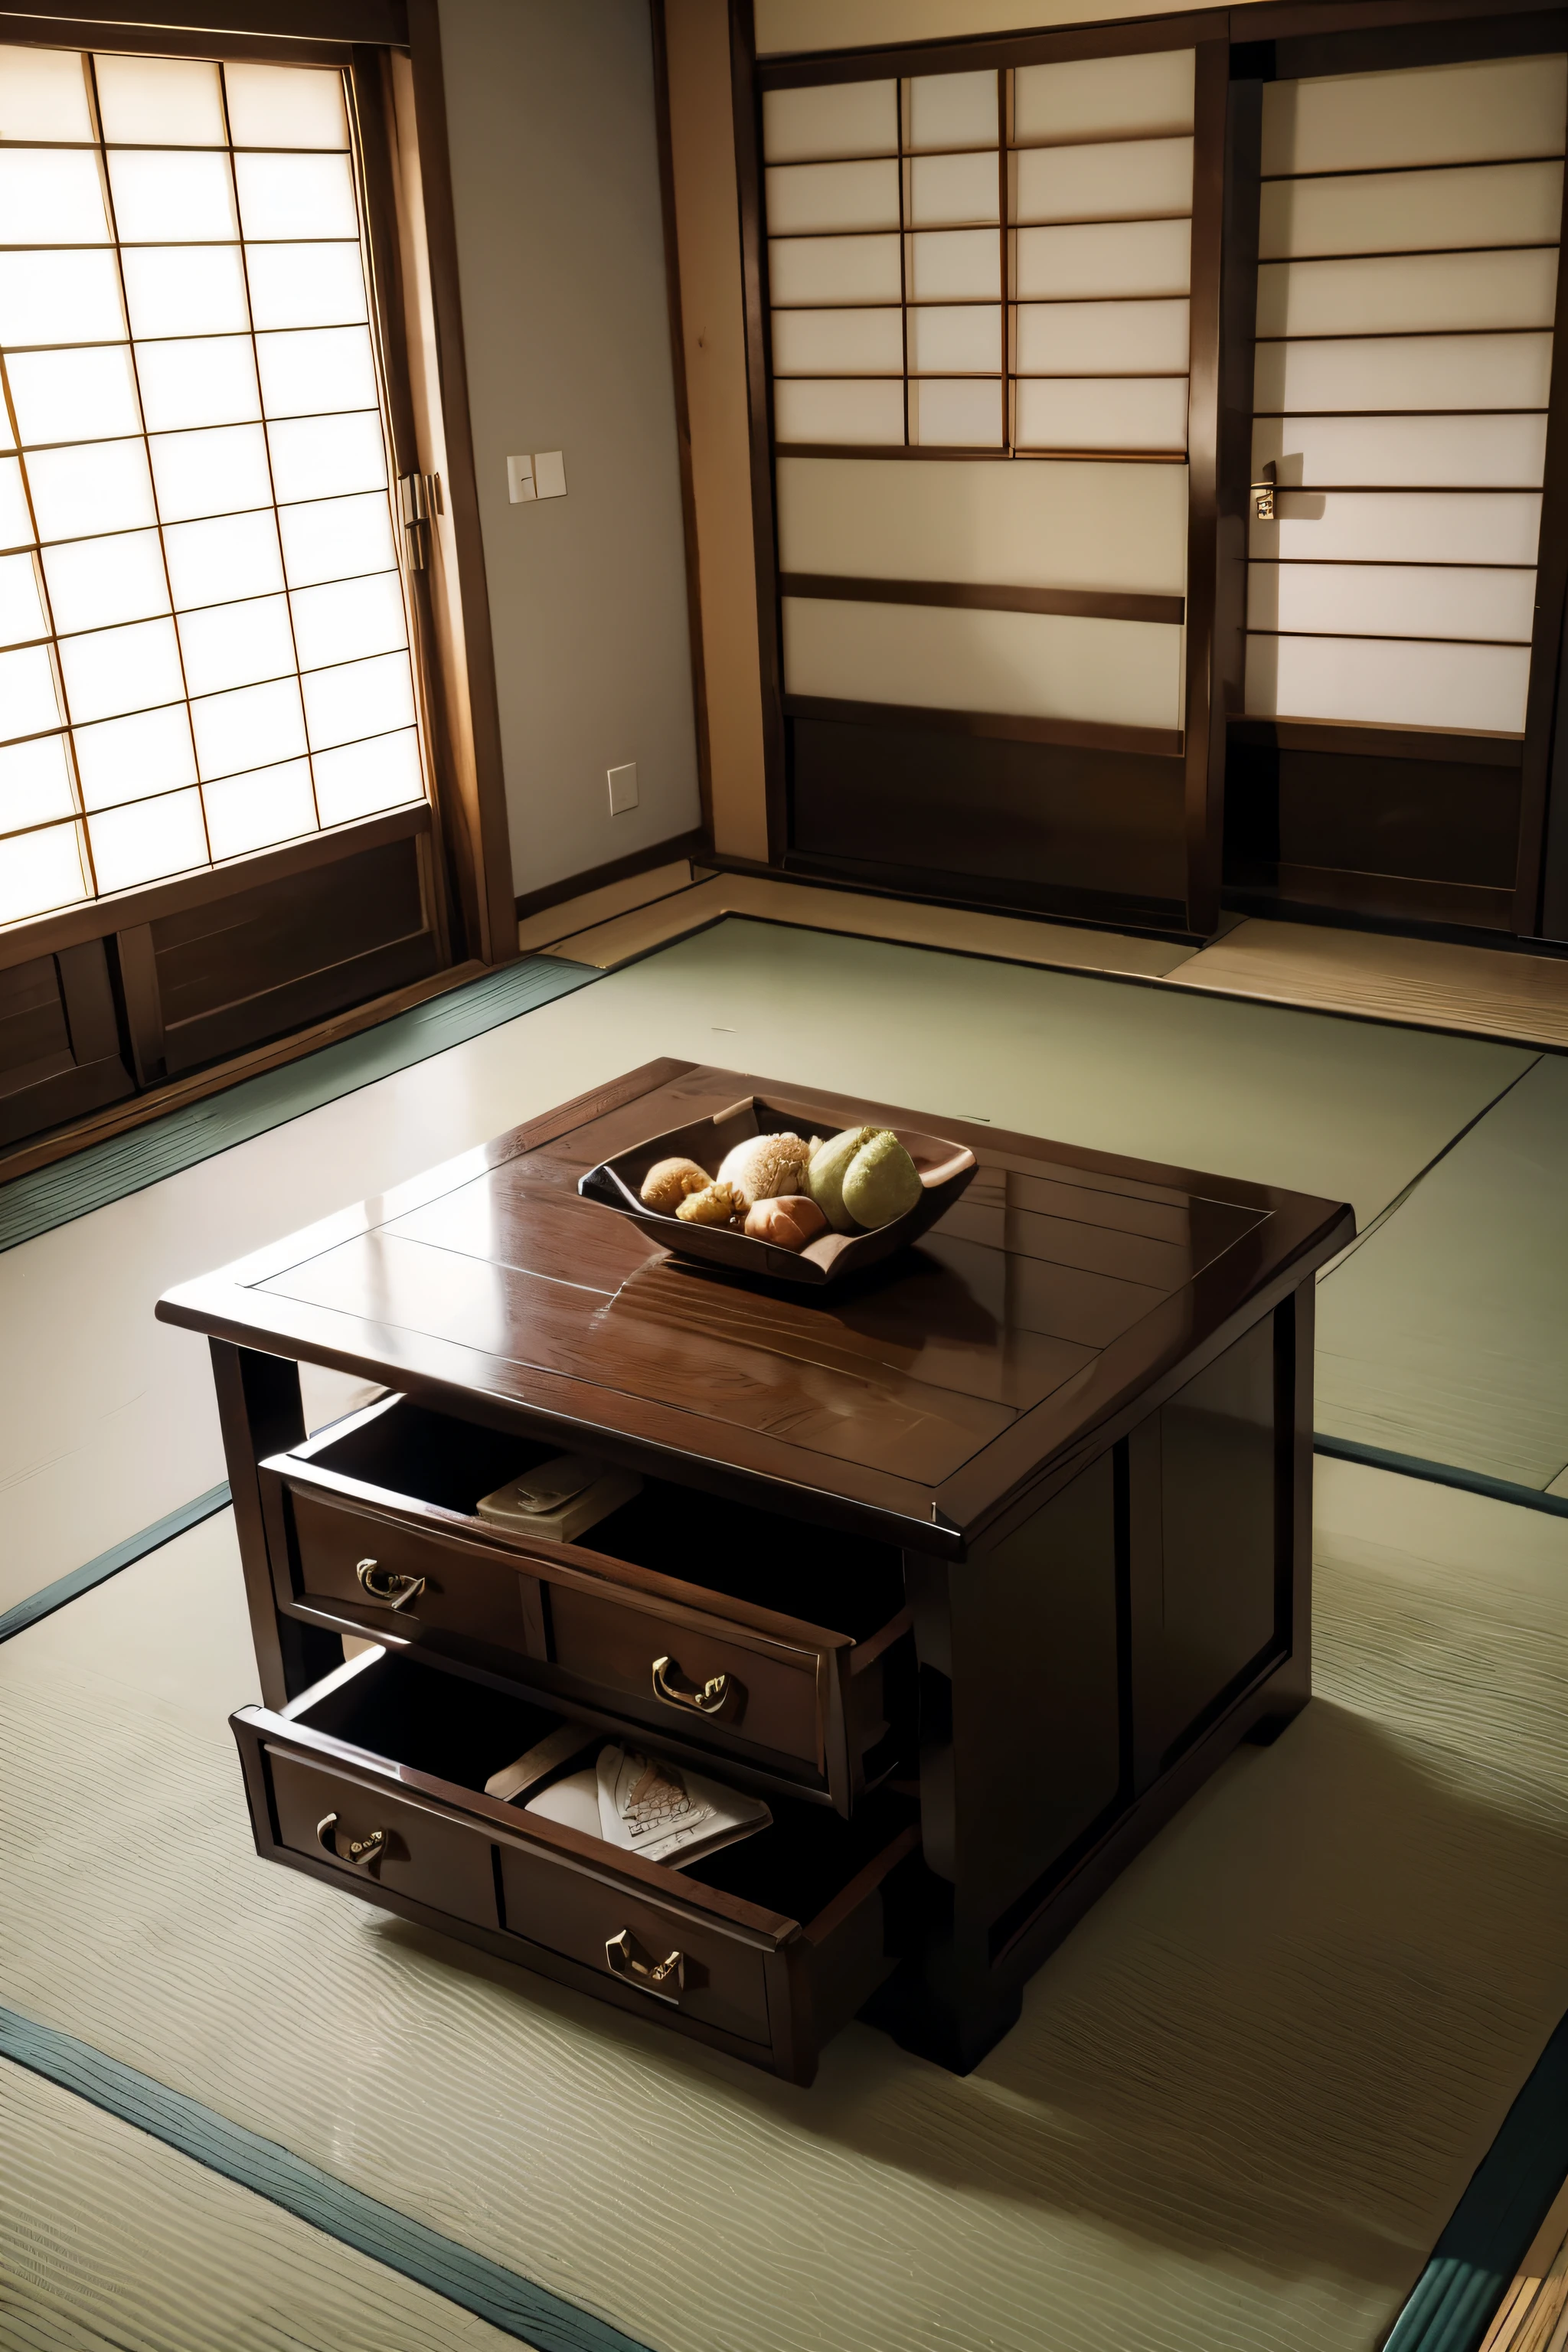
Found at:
[60, 1041]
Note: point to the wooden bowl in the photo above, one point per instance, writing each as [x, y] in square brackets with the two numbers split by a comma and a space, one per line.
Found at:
[945, 1169]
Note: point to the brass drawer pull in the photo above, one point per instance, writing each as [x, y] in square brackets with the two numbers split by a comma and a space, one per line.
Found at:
[386, 1584]
[360, 1850]
[626, 1957]
[710, 1697]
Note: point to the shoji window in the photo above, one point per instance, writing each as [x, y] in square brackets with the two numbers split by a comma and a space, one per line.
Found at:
[1410, 229]
[978, 287]
[204, 641]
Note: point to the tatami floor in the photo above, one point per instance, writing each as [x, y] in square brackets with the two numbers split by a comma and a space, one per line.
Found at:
[1247, 2094]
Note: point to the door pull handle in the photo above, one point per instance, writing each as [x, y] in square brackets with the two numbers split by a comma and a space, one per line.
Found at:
[359, 1851]
[627, 1958]
[1262, 493]
[386, 1584]
[717, 1694]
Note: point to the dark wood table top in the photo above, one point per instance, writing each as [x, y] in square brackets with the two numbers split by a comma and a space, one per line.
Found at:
[1060, 1299]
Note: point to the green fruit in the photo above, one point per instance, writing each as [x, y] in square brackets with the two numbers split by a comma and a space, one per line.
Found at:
[881, 1183]
[825, 1177]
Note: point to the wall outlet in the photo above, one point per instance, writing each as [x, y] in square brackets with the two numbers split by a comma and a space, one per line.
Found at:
[519, 481]
[549, 474]
[623, 788]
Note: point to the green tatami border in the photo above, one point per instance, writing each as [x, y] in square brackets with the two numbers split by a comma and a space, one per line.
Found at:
[77, 1581]
[503, 2297]
[1442, 1473]
[35, 1203]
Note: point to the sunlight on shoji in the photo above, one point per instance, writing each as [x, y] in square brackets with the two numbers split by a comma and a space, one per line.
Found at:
[336, 540]
[1110, 413]
[43, 95]
[211, 381]
[314, 373]
[1127, 179]
[111, 672]
[806, 197]
[1389, 682]
[1407, 294]
[236, 645]
[194, 158]
[1104, 258]
[1389, 211]
[176, 289]
[51, 197]
[21, 607]
[952, 191]
[319, 457]
[159, 199]
[1101, 338]
[953, 110]
[96, 582]
[159, 101]
[285, 106]
[1393, 600]
[1468, 452]
[145, 840]
[27, 700]
[305, 286]
[254, 727]
[807, 270]
[962, 415]
[1027, 665]
[126, 759]
[954, 266]
[1146, 96]
[39, 871]
[1416, 115]
[252, 812]
[15, 523]
[213, 562]
[365, 777]
[1473, 372]
[349, 620]
[964, 340]
[34, 782]
[863, 409]
[59, 297]
[357, 698]
[837, 342]
[1394, 526]
[851, 118]
[82, 396]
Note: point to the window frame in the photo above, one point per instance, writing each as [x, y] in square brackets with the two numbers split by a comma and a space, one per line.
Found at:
[389, 54]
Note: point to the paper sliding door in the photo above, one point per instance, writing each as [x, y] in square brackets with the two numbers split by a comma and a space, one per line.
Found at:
[979, 288]
[1409, 225]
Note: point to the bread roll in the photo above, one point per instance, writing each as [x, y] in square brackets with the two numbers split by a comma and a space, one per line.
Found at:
[788, 1223]
[668, 1181]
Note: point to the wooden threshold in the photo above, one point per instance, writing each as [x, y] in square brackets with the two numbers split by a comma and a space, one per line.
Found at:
[42, 1151]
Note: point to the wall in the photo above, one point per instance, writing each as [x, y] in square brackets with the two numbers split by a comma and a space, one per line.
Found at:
[566, 324]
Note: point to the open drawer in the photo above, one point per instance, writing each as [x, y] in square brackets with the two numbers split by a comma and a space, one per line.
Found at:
[720, 1630]
[373, 1778]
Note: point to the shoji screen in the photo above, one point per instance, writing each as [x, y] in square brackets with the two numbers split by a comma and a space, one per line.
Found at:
[978, 287]
[1408, 238]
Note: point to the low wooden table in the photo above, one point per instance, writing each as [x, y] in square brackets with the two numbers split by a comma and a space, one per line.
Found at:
[974, 1569]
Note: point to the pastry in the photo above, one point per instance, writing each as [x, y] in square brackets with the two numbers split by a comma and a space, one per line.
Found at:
[880, 1182]
[825, 1177]
[765, 1166]
[668, 1181]
[788, 1223]
[717, 1204]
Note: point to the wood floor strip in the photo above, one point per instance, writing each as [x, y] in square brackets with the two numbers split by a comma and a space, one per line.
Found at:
[509, 2302]
[109, 1563]
[1441, 1473]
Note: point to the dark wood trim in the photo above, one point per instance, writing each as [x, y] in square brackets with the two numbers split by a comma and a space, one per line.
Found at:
[1380, 35]
[316, 27]
[1131, 36]
[900, 884]
[665, 143]
[1204, 800]
[1084, 733]
[1087, 604]
[139, 996]
[98, 918]
[963, 453]
[747, 110]
[151, 40]
[1551, 600]
[43, 1150]
[1395, 896]
[493, 932]
[1379, 742]
[694, 843]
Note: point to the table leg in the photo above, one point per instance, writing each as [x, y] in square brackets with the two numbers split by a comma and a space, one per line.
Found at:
[260, 1413]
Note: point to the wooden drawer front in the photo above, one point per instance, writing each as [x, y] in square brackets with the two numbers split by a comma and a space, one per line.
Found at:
[725, 1980]
[464, 1591]
[775, 1694]
[428, 1856]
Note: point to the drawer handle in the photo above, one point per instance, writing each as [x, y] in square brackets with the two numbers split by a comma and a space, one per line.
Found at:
[710, 1697]
[626, 1957]
[386, 1584]
[359, 1851]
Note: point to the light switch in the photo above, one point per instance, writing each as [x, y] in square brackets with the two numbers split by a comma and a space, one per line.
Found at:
[623, 788]
[519, 481]
[549, 473]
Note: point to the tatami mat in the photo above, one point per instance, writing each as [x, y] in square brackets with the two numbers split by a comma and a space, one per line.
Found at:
[1241, 2104]
[107, 1419]
[111, 2241]
[1444, 1333]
